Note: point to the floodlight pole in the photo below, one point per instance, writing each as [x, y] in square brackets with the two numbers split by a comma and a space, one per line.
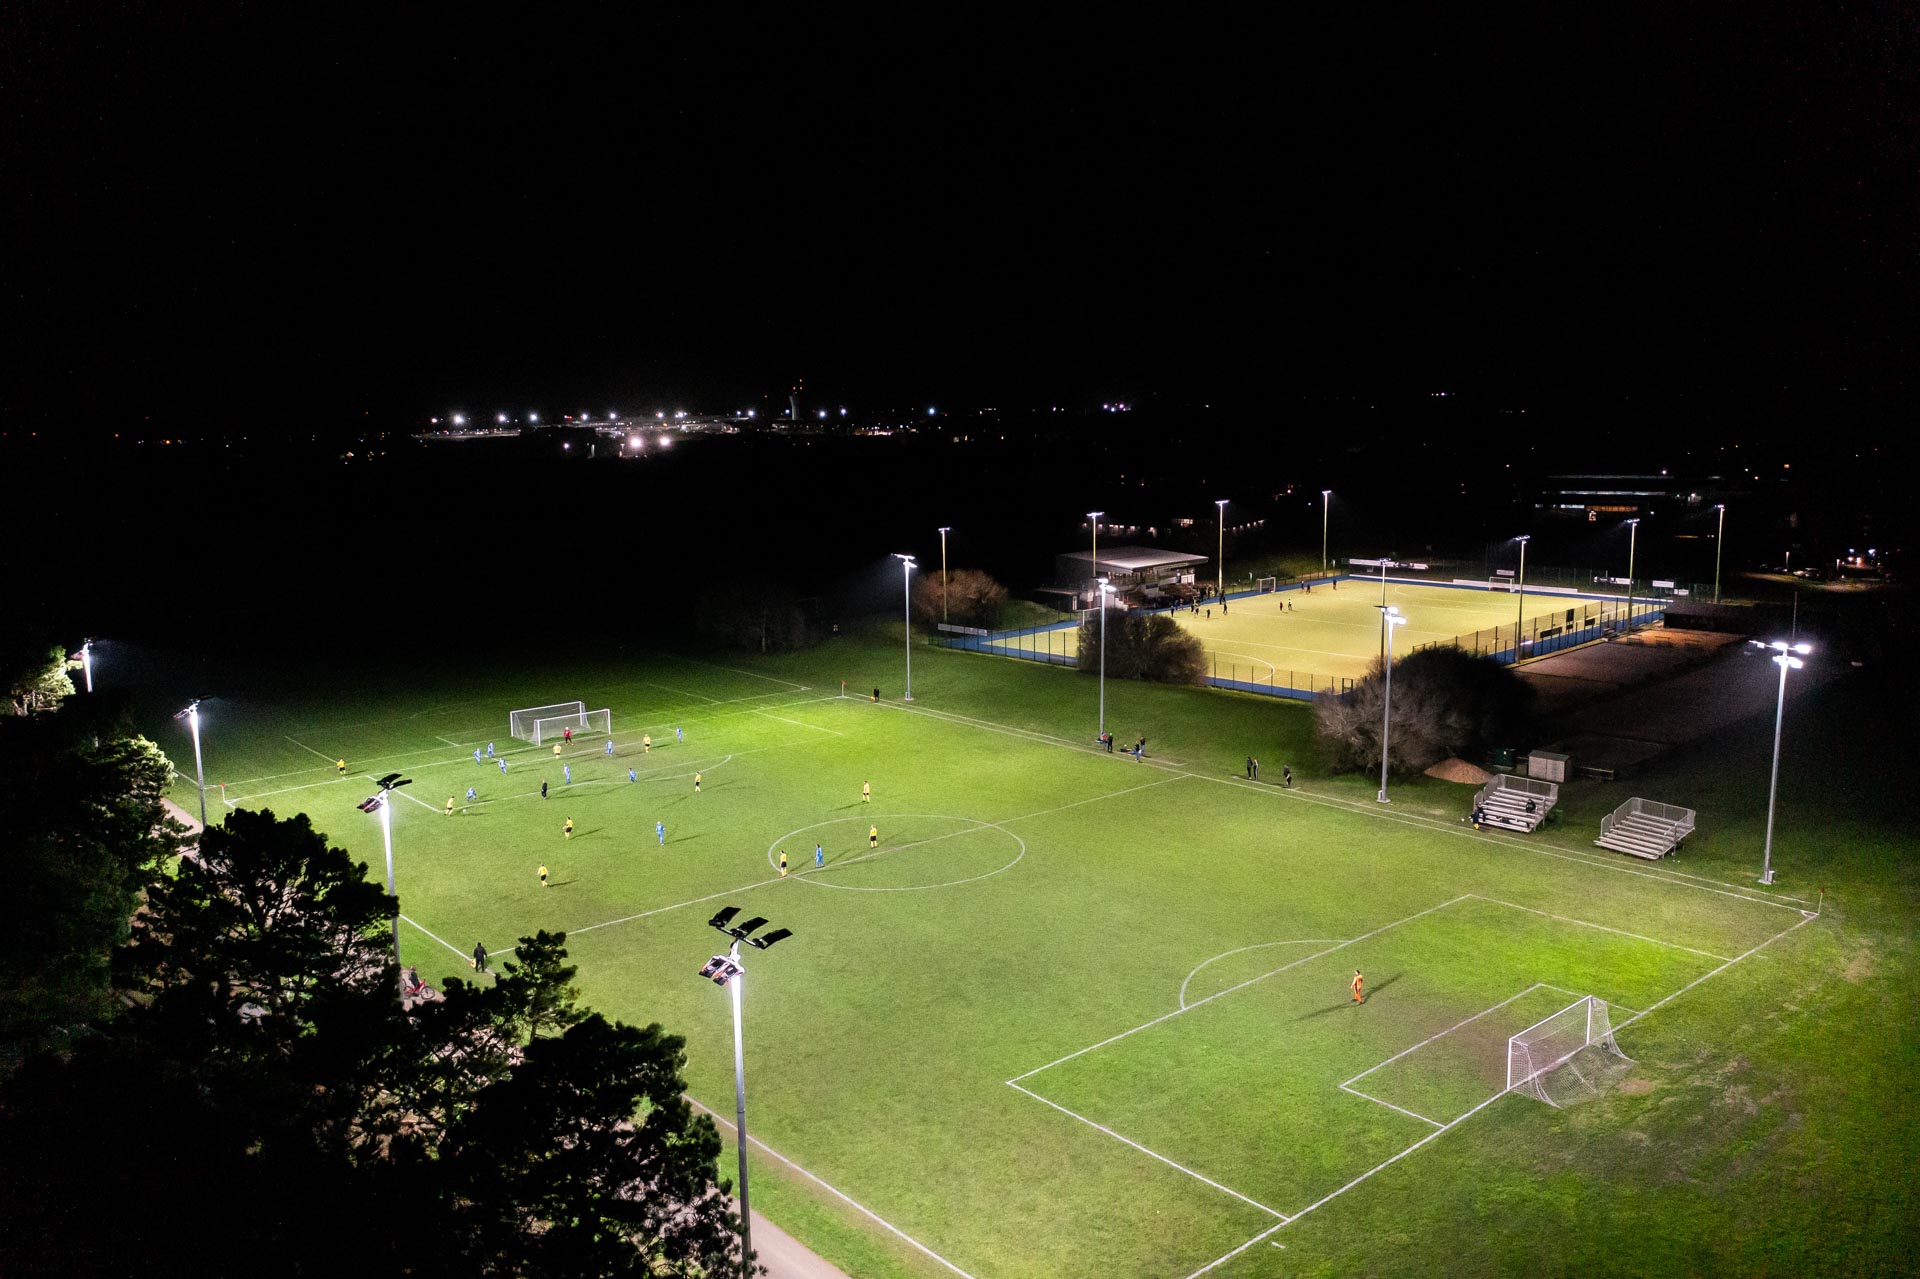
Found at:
[1220, 562]
[199, 771]
[1093, 518]
[740, 1108]
[1389, 618]
[1633, 537]
[1719, 538]
[1326, 503]
[1104, 588]
[1785, 659]
[386, 836]
[906, 595]
[943, 572]
[1520, 614]
[86, 662]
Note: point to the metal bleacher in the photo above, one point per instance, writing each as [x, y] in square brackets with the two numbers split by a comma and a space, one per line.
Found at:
[1514, 803]
[1645, 828]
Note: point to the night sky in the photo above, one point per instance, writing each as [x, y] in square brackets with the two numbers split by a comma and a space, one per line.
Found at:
[215, 211]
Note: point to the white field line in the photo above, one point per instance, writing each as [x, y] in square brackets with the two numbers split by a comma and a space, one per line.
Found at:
[448, 740]
[798, 688]
[712, 701]
[1297, 941]
[443, 941]
[1389, 1105]
[1240, 986]
[303, 746]
[1448, 1031]
[1568, 919]
[1219, 1261]
[799, 724]
[824, 1185]
[403, 794]
[1325, 1199]
[1155, 1154]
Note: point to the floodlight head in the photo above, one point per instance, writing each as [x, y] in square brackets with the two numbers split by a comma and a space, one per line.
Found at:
[1524, 537]
[778, 934]
[1788, 660]
[189, 711]
[1221, 503]
[1094, 515]
[725, 916]
[370, 804]
[946, 529]
[906, 561]
[1633, 520]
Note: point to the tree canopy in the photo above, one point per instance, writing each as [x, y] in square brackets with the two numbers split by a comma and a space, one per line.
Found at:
[1445, 703]
[970, 598]
[36, 676]
[265, 1103]
[1150, 646]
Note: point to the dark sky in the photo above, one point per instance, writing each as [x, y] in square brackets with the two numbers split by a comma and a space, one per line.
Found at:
[211, 208]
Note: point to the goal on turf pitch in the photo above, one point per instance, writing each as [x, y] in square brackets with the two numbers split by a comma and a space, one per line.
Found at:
[1544, 1060]
[538, 723]
[1267, 585]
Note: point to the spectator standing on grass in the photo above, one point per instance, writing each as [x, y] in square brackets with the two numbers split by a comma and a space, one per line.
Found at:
[1256, 770]
[1286, 776]
[1249, 768]
[480, 957]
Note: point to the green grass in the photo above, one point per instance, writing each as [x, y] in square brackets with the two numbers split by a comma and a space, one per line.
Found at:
[1037, 909]
[1300, 639]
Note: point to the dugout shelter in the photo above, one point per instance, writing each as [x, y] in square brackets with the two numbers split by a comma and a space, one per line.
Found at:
[1141, 574]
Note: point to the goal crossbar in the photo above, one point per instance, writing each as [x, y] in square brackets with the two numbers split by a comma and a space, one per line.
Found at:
[520, 723]
[1552, 1041]
[583, 723]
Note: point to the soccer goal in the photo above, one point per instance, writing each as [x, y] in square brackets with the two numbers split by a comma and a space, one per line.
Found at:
[1544, 1060]
[544, 723]
[1267, 585]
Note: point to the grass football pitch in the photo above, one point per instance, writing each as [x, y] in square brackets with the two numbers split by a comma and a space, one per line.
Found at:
[1301, 639]
[1076, 1015]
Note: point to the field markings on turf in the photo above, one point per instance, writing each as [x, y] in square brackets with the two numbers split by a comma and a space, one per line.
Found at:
[1568, 919]
[1392, 1159]
[1239, 986]
[1348, 1085]
[800, 724]
[402, 794]
[448, 740]
[825, 1185]
[443, 941]
[303, 746]
[798, 688]
[1274, 1212]
[1301, 941]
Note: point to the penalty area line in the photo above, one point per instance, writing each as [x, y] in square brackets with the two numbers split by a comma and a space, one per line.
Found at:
[443, 941]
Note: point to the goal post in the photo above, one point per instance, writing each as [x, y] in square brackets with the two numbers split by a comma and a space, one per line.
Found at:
[521, 723]
[1553, 1041]
[1267, 585]
[583, 724]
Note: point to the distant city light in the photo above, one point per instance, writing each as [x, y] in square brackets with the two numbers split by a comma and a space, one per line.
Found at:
[633, 442]
[929, 412]
[566, 446]
[459, 419]
[533, 417]
[500, 418]
[586, 417]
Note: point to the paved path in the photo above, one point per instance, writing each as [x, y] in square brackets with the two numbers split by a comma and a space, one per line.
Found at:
[786, 1257]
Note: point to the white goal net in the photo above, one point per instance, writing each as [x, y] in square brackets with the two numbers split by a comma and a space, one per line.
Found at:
[582, 724]
[1267, 584]
[1544, 1060]
[523, 723]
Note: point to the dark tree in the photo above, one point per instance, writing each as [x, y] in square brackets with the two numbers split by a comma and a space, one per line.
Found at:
[35, 674]
[971, 598]
[1150, 646]
[86, 830]
[265, 1104]
[751, 614]
[1445, 703]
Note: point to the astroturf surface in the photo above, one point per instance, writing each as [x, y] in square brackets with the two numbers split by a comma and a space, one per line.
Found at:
[1080, 1015]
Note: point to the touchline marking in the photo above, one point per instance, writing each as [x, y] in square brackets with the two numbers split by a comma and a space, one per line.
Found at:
[1241, 986]
[717, 1117]
[799, 724]
[443, 941]
[402, 794]
[1219, 1261]
[448, 740]
[1154, 1153]
[1721, 969]
[303, 746]
[1567, 919]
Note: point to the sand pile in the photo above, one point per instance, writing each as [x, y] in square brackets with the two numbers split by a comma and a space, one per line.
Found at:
[1458, 770]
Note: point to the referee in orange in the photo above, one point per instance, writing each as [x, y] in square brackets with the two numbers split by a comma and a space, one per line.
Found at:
[1356, 985]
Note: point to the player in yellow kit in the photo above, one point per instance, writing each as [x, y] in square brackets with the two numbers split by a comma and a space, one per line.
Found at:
[873, 837]
[567, 830]
[866, 792]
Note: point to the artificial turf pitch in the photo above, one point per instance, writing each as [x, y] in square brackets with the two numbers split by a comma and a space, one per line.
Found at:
[1077, 1015]
[1307, 639]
